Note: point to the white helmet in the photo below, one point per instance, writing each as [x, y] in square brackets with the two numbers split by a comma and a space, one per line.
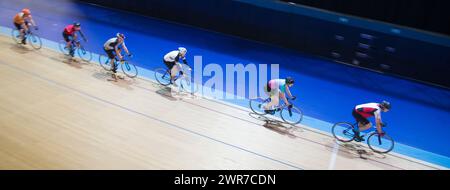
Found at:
[182, 50]
[120, 35]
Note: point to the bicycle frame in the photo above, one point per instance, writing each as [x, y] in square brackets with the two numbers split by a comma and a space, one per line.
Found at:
[178, 76]
[368, 133]
[282, 106]
[27, 33]
[75, 44]
[117, 61]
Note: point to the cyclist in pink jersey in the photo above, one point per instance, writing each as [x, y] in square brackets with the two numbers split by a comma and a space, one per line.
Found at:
[277, 88]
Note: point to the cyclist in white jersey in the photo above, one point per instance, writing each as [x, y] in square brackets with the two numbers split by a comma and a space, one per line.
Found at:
[172, 61]
[112, 49]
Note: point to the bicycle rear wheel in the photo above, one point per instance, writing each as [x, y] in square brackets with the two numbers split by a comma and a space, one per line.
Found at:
[104, 62]
[343, 131]
[84, 55]
[35, 41]
[15, 34]
[380, 144]
[63, 48]
[162, 76]
[257, 105]
[129, 69]
[293, 117]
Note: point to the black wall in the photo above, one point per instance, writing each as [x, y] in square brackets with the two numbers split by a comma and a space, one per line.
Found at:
[430, 15]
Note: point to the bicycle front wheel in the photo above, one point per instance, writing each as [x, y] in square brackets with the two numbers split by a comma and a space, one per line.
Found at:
[380, 144]
[293, 116]
[84, 55]
[257, 105]
[129, 69]
[35, 41]
[343, 131]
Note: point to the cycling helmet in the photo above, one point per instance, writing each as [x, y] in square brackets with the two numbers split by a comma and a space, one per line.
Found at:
[120, 35]
[26, 11]
[76, 24]
[385, 104]
[289, 80]
[182, 50]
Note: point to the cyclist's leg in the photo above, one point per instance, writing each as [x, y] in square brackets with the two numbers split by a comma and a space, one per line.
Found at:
[23, 29]
[362, 124]
[267, 91]
[20, 29]
[175, 70]
[169, 66]
[66, 39]
[112, 59]
[26, 26]
[274, 100]
[272, 89]
[74, 37]
[283, 97]
[73, 42]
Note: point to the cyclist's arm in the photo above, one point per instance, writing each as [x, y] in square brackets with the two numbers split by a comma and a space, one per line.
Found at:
[288, 91]
[116, 49]
[82, 35]
[283, 96]
[125, 48]
[185, 61]
[32, 22]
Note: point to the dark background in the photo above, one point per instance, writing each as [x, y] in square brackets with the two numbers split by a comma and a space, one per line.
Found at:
[430, 15]
[383, 52]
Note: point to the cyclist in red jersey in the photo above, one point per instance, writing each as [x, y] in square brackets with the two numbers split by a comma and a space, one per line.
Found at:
[69, 33]
[364, 111]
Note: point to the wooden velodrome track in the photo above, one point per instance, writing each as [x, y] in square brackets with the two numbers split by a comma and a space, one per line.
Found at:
[60, 115]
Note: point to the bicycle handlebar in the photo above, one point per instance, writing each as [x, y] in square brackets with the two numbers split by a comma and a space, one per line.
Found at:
[123, 58]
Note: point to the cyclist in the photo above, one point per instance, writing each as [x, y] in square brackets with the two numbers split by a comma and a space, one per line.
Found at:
[364, 111]
[112, 47]
[22, 21]
[275, 89]
[171, 60]
[70, 33]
